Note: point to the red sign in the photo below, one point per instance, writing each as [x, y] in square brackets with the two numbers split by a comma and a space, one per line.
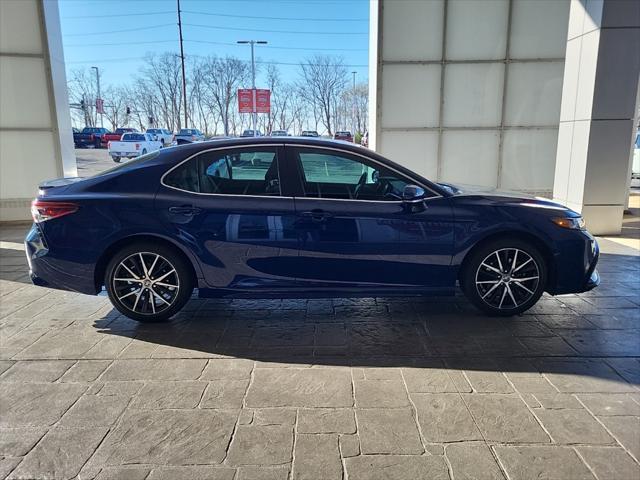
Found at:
[99, 105]
[245, 100]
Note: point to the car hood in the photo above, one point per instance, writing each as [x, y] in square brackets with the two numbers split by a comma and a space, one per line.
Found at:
[506, 197]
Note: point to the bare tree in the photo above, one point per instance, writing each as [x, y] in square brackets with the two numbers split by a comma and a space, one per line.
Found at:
[162, 76]
[222, 77]
[323, 80]
[82, 89]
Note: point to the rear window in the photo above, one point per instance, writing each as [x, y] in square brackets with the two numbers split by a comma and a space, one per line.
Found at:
[133, 137]
[130, 164]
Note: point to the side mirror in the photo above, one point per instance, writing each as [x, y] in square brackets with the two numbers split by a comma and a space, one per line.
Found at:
[413, 194]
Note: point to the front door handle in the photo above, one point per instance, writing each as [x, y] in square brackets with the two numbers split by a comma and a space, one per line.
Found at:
[187, 210]
[316, 215]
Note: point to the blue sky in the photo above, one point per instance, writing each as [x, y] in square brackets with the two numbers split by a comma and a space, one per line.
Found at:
[332, 27]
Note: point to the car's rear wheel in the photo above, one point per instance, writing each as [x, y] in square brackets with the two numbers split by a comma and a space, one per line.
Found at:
[504, 277]
[116, 159]
[148, 283]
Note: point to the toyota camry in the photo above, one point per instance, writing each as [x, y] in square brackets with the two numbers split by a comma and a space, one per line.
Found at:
[298, 218]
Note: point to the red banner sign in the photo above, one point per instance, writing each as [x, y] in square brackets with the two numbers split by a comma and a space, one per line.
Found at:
[99, 105]
[245, 100]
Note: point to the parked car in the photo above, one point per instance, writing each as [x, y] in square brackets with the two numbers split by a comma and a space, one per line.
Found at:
[309, 133]
[133, 145]
[279, 133]
[90, 136]
[190, 134]
[117, 135]
[344, 136]
[313, 217]
[163, 135]
[251, 133]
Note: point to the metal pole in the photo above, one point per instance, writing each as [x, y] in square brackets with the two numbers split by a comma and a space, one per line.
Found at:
[184, 78]
[254, 113]
[99, 96]
[353, 108]
[253, 87]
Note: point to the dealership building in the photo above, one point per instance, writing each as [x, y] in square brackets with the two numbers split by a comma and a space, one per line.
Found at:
[538, 96]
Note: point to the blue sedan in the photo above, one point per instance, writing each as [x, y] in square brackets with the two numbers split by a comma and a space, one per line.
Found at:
[298, 218]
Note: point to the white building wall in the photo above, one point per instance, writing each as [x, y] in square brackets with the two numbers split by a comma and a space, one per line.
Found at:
[36, 142]
[469, 91]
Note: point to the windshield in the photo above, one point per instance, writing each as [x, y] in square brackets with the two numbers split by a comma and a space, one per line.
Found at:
[187, 132]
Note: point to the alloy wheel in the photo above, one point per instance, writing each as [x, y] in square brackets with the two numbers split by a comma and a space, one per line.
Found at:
[507, 278]
[146, 283]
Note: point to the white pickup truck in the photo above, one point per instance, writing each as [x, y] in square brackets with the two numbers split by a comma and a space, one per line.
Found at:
[133, 145]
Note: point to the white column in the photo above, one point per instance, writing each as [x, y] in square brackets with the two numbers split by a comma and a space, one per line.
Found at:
[599, 102]
[36, 141]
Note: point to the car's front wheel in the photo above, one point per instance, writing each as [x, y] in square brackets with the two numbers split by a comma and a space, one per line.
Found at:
[148, 283]
[504, 277]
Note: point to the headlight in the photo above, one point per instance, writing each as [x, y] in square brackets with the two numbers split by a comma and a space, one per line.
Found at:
[573, 223]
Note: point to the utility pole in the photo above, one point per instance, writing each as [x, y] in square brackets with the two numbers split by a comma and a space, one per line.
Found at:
[353, 108]
[99, 96]
[254, 114]
[184, 78]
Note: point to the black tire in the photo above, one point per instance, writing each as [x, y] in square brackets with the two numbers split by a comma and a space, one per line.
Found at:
[98, 143]
[515, 289]
[126, 296]
[116, 159]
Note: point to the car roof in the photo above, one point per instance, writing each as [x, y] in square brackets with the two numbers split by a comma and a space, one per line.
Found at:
[190, 149]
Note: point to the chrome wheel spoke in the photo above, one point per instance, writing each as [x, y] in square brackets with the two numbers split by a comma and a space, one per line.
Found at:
[167, 285]
[144, 267]
[130, 271]
[517, 284]
[504, 294]
[159, 297]
[526, 279]
[497, 254]
[165, 275]
[522, 265]
[515, 260]
[127, 280]
[133, 292]
[492, 289]
[515, 304]
[493, 269]
[153, 265]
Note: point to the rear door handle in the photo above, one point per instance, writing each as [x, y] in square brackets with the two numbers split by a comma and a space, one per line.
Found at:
[316, 216]
[187, 210]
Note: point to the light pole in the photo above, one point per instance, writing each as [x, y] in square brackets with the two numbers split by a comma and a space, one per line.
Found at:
[254, 115]
[99, 96]
[184, 78]
[353, 108]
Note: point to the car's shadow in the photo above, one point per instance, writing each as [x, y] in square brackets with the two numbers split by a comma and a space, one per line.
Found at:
[400, 332]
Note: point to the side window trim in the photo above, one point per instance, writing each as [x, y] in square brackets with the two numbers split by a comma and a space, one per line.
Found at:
[295, 163]
[280, 156]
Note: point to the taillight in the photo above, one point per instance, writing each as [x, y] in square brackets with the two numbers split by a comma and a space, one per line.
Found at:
[93, 137]
[193, 137]
[109, 145]
[42, 211]
[137, 146]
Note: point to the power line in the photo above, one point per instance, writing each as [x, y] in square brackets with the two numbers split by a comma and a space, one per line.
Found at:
[301, 19]
[274, 31]
[244, 61]
[120, 31]
[311, 49]
[118, 15]
[151, 42]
